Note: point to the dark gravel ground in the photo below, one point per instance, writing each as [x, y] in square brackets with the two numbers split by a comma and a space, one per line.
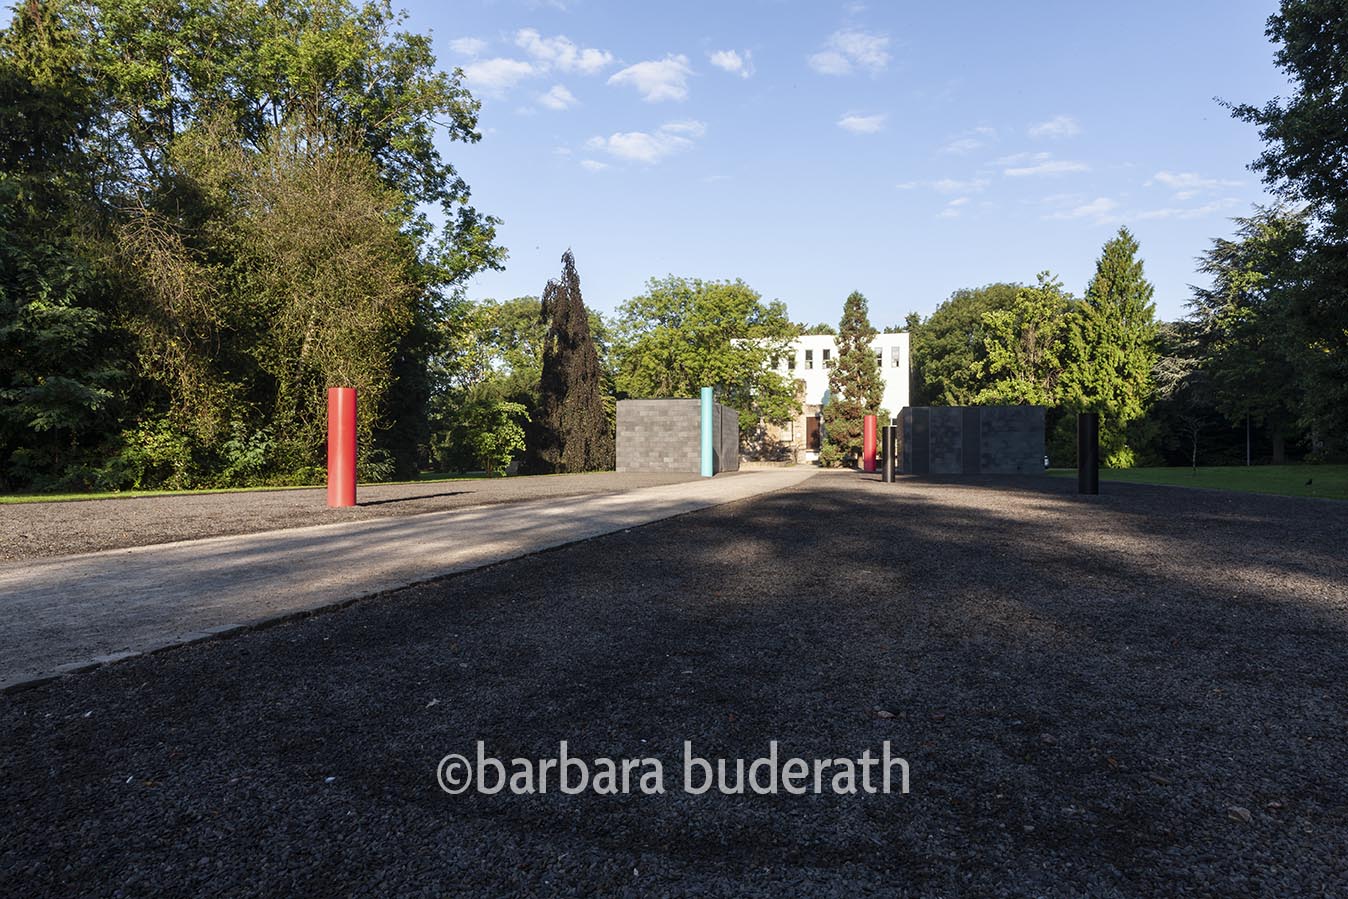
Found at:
[37, 530]
[1137, 694]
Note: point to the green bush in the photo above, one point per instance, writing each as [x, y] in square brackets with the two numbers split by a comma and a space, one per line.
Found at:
[830, 456]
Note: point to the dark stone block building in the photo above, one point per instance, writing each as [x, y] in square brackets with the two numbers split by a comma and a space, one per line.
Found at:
[971, 439]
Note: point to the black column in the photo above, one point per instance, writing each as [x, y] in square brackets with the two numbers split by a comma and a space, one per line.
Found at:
[1088, 453]
[887, 442]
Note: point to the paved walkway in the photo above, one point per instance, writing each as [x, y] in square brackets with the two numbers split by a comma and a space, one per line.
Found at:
[67, 614]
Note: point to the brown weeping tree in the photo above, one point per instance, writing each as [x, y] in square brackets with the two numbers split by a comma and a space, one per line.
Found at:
[570, 431]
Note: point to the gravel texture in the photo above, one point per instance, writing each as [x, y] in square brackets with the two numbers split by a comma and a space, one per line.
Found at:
[38, 530]
[1141, 693]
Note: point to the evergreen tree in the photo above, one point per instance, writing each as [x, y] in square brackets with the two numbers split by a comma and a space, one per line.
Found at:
[1111, 347]
[1306, 143]
[1246, 327]
[854, 383]
[570, 432]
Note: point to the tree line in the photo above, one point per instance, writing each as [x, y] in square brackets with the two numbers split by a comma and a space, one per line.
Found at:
[211, 210]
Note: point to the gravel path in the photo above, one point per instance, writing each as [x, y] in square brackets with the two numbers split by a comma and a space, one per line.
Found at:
[1137, 694]
[38, 530]
[75, 612]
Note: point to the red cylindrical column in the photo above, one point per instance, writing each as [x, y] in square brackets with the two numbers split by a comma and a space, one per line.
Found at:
[341, 446]
[868, 443]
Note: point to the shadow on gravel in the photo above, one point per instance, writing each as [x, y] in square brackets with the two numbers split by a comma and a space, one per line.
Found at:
[410, 499]
[1140, 693]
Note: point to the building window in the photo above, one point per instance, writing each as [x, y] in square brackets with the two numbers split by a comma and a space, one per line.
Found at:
[893, 357]
[809, 359]
[791, 361]
[826, 355]
[879, 358]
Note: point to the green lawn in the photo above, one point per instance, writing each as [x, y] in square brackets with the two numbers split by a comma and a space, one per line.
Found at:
[425, 478]
[1326, 481]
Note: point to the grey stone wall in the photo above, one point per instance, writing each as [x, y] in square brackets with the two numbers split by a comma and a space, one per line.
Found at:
[666, 435]
[971, 439]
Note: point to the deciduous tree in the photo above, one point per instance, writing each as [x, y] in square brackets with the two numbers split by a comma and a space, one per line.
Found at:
[1025, 345]
[948, 348]
[684, 334]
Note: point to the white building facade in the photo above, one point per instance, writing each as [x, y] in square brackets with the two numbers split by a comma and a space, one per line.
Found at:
[808, 362]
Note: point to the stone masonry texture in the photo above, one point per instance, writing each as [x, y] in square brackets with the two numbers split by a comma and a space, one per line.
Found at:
[666, 435]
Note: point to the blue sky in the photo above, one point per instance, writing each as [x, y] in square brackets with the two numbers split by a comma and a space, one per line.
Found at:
[815, 148]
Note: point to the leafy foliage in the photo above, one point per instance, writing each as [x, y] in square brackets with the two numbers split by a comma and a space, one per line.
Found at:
[243, 220]
[1025, 345]
[948, 349]
[684, 334]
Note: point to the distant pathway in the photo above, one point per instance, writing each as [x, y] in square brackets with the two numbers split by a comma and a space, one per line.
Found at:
[46, 529]
[64, 614]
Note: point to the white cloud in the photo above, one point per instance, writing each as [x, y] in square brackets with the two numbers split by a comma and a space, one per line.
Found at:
[687, 127]
[1098, 210]
[494, 76]
[558, 98]
[1056, 127]
[650, 148]
[969, 141]
[962, 145]
[1021, 158]
[949, 185]
[1188, 185]
[862, 124]
[954, 208]
[956, 186]
[1189, 212]
[851, 49]
[733, 62]
[593, 165]
[656, 80]
[471, 47]
[1052, 167]
[1023, 164]
[561, 52]
[1189, 181]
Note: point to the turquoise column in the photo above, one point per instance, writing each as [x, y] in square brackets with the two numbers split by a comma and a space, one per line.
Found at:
[708, 432]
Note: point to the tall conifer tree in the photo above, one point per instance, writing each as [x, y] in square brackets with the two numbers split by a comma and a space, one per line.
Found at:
[1111, 347]
[854, 383]
[570, 432]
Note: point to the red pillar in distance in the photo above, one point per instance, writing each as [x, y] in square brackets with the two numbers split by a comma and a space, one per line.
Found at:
[341, 446]
[868, 443]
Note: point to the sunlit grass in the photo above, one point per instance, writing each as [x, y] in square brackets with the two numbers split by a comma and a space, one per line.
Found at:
[1323, 481]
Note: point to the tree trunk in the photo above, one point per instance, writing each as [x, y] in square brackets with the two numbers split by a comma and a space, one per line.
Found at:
[1279, 448]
